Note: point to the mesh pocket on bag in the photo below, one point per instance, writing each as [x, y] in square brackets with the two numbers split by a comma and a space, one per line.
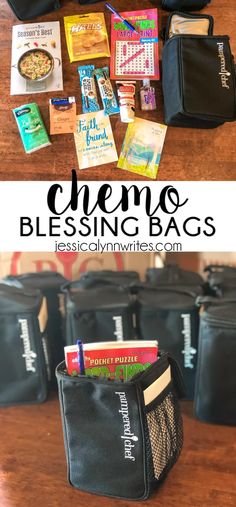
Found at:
[165, 433]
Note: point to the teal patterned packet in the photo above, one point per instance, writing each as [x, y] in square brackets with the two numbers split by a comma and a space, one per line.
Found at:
[31, 127]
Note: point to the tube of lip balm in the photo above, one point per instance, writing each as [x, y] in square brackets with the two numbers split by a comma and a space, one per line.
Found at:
[126, 95]
[106, 91]
[88, 89]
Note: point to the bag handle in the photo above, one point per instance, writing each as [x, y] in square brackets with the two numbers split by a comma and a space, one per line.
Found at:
[66, 287]
[212, 267]
[18, 289]
[166, 288]
[208, 300]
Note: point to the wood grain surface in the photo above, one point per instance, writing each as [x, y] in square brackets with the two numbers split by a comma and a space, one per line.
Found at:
[188, 154]
[33, 465]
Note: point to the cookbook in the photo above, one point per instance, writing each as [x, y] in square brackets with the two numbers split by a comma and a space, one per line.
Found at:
[36, 64]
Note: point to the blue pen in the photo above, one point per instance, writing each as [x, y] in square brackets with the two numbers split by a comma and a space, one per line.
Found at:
[126, 23]
[81, 357]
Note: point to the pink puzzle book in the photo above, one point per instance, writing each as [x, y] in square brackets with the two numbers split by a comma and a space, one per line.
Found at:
[135, 55]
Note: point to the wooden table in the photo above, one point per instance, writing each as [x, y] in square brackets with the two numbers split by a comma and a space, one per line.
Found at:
[188, 154]
[33, 466]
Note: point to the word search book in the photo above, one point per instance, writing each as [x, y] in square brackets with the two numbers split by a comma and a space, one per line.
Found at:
[135, 55]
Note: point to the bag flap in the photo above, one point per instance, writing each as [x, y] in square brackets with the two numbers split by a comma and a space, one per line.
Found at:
[207, 76]
[180, 23]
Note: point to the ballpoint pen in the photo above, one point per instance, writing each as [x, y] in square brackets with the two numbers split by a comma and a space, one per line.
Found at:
[81, 357]
[126, 23]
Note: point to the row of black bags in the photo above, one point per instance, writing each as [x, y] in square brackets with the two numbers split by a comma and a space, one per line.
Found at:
[109, 305]
[139, 420]
[28, 9]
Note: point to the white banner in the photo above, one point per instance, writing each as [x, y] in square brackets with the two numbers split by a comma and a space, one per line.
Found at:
[117, 216]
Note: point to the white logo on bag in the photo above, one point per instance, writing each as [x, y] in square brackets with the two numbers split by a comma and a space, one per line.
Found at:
[128, 436]
[28, 354]
[224, 74]
[189, 351]
[118, 328]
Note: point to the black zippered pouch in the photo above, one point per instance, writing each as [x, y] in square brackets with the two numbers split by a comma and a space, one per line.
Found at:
[101, 314]
[198, 81]
[24, 365]
[169, 315]
[172, 274]
[184, 5]
[221, 280]
[122, 438]
[95, 279]
[29, 9]
[49, 283]
[216, 380]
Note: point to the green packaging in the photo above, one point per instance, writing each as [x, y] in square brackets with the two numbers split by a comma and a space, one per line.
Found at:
[31, 127]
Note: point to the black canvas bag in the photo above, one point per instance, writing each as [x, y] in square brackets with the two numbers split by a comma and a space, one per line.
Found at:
[198, 81]
[215, 394]
[95, 279]
[172, 274]
[102, 314]
[23, 346]
[29, 9]
[221, 280]
[184, 5]
[169, 315]
[49, 283]
[119, 440]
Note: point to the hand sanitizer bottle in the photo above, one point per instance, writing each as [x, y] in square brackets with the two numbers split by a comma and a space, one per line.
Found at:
[147, 96]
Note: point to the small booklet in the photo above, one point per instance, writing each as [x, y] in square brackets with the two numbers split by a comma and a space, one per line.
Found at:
[36, 64]
[94, 140]
[116, 360]
[142, 147]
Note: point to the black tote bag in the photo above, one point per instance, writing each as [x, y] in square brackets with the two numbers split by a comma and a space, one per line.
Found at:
[170, 316]
[101, 314]
[184, 5]
[215, 392]
[29, 9]
[198, 81]
[24, 364]
[122, 438]
[49, 283]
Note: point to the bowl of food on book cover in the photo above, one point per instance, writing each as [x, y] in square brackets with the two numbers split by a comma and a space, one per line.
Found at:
[36, 64]
[113, 360]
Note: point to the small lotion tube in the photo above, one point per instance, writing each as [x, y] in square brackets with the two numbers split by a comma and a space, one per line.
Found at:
[126, 96]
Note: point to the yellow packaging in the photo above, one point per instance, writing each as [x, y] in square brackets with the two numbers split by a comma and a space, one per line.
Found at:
[86, 36]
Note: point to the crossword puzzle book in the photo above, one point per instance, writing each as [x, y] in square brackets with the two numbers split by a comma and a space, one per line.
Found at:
[135, 55]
